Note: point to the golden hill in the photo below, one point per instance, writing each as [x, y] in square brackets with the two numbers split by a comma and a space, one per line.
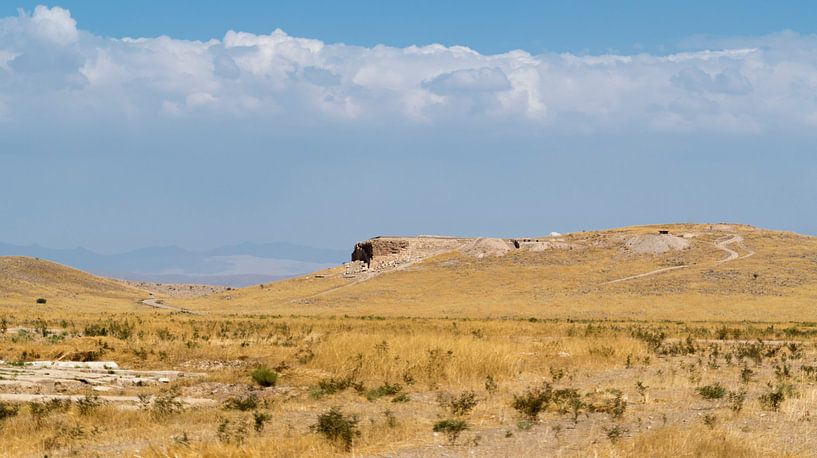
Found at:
[696, 272]
[23, 280]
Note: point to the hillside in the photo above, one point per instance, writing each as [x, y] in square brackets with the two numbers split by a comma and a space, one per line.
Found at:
[23, 280]
[695, 272]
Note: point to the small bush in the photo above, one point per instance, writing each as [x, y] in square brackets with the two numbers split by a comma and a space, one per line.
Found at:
[232, 433]
[458, 405]
[402, 397]
[8, 410]
[533, 401]
[490, 385]
[264, 376]
[261, 420]
[569, 400]
[40, 410]
[337, 428]
[334, 385]
[41, 300]
[775, 397]
[615, 407]
[167, 404]
[451, 428]
[384, 390]
[88, 404]
[736, 399]
[615, 433]
[711, 392]
[249, 402]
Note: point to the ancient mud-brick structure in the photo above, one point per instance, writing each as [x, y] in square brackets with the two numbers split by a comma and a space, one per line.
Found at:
[378, 248]
[382, 253]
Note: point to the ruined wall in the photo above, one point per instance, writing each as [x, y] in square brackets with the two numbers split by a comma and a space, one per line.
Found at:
[381, 253]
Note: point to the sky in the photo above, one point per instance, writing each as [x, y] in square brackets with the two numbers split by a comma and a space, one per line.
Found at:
[322, 123]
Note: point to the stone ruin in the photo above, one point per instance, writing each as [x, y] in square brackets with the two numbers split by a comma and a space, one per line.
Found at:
[386, 252]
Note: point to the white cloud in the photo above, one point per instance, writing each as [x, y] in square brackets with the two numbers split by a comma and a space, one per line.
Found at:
[54, 25]
[737, 85]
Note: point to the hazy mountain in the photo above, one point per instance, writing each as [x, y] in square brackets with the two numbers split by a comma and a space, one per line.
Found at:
[233, 265]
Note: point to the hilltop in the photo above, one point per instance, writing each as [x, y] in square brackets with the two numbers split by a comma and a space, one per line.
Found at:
[24, 280]
[672, 272]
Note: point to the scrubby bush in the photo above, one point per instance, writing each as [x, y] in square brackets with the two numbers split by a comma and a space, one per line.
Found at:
[387, 389]
[533, 401]
[42, 300]
[249, 402]
[451, 427]
[261, 420]
[88, 404]
[711, 392]
[458, 405]
[8, 410]
[775, 396]
[264, 376]
[337, 427]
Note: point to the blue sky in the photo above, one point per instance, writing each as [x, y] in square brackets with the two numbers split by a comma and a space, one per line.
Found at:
[128, 125]
[487, 26]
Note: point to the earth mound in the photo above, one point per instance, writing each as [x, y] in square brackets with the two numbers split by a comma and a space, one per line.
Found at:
[655, 243]
[482, 247]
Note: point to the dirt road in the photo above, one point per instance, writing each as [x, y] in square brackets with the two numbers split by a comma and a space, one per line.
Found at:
[160, 305]
[731, 254]
[721, 244]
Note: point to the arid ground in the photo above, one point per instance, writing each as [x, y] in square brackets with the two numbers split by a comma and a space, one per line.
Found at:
[627, 342]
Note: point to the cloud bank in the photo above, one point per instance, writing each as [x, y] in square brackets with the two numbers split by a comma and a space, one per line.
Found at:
[50, 67]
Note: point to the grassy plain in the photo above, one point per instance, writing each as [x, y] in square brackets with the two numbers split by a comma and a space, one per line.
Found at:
[709, 360]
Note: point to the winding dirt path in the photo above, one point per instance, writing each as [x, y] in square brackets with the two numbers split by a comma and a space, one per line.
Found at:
[646, 274]
[156, 304]
[721, 244]
[731, 254]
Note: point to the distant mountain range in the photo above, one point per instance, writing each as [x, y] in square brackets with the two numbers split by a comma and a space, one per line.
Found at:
[232, 265]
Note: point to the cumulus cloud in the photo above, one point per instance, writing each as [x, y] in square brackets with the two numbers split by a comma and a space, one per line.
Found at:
[745, 85]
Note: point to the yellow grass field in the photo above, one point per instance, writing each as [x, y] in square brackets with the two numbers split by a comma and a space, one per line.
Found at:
[527, 354]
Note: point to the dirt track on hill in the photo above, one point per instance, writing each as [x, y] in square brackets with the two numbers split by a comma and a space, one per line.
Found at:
[719, 244]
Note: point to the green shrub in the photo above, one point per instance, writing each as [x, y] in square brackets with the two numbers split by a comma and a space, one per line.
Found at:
[402, 397]
[87, 404]
[451, 427]
[775, 397]
[533, 401]
[261, 419]
[8, 410]
[264, 376]
[711, 392]
[458, 405]
[337, 428]
[384, 390]
[245, 403]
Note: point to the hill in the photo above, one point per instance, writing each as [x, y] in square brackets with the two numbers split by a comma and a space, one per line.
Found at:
[233, 265]
[24, 280]
[669, 272]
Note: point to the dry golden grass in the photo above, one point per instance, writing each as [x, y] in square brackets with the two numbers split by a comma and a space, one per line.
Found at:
[777, 283]
[452, 324]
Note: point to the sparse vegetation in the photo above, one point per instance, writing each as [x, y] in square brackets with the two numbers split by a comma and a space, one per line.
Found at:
[264, 376]
[452, 428]
[337, 427]
[662, 385]
[710, 392]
